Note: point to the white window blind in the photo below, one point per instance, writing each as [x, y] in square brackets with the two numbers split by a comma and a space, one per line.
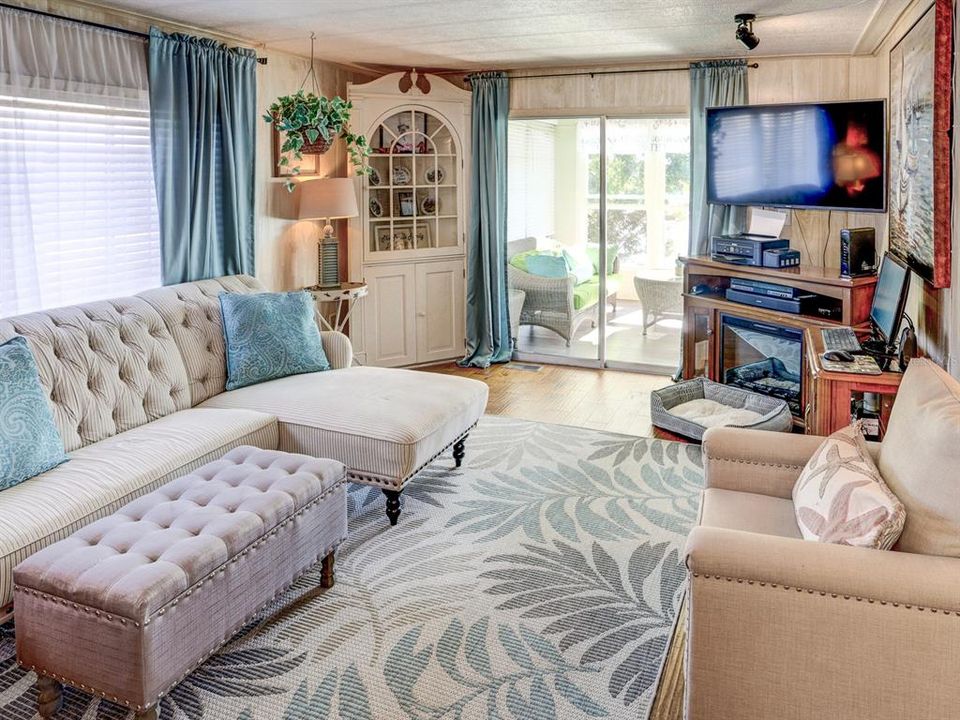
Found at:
[530, 179]
[78, 211]
[77, 199]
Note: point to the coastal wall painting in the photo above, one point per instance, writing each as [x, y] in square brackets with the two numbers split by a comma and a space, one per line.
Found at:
[921, 87]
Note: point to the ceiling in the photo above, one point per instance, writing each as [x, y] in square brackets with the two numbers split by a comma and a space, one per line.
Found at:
[470, 34]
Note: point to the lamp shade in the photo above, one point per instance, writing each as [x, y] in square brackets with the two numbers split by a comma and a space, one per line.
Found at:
[327, 198]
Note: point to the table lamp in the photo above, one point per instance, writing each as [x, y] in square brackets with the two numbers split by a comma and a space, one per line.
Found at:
[328, 199]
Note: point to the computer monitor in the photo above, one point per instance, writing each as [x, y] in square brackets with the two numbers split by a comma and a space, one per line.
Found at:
[890, 296]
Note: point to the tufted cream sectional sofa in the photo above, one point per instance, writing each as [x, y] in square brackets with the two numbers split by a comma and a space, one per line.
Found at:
[137, 388]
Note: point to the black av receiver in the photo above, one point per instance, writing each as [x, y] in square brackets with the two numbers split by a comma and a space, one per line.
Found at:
[744, 249]
[795, 305]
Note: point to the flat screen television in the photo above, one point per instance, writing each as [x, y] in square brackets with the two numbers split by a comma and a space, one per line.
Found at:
[828, 156]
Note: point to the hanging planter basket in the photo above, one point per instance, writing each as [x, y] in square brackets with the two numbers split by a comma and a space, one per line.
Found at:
[317, 148]
[307, 148]
[309, 124]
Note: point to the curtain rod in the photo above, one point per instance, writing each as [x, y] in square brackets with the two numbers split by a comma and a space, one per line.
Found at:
[592, 73]
[90, 23]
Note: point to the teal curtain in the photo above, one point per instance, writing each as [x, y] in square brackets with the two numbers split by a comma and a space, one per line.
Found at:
[713, 83]
[203, 114]
[488, 322]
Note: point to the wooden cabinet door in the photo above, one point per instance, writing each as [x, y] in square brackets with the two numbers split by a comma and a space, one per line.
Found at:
[389, 315]
[440, 311]
[699, 340]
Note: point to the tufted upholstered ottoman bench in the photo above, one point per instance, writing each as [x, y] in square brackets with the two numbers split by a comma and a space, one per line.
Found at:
[127, 606]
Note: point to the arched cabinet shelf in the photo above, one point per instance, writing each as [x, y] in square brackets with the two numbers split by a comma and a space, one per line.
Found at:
[408, 242]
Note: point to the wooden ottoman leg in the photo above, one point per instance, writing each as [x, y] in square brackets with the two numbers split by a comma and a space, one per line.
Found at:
[151, 714]
[458, 450]
[393, 505]
[49, 696]
[326, 571]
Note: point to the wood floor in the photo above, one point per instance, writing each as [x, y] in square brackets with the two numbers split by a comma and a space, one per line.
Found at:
[611, 400]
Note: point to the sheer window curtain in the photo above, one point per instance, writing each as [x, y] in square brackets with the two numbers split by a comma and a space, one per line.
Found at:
[78, 218]
[713, 83]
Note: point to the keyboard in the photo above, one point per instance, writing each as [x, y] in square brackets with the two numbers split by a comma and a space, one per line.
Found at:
[842, 338]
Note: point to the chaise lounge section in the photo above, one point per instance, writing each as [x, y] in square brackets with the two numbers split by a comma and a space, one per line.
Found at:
[384, 424]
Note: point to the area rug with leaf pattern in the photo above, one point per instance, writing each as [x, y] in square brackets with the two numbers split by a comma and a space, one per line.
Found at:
[538, 581]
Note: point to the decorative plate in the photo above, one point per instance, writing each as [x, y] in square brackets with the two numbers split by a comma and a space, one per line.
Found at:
[376, 209]
[374, 177]
[401, 175]
[428, 205]
[434, 175]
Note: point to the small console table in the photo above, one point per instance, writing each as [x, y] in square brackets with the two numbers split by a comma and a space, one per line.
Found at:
[714, 332]
[345, 296]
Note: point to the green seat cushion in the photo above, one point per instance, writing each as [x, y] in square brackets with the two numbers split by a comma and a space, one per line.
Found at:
[588, 293]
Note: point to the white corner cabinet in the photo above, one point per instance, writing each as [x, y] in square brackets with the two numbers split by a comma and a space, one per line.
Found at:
[408, 242]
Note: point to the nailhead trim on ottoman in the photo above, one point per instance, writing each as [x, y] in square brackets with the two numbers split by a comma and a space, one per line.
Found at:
[129, 605]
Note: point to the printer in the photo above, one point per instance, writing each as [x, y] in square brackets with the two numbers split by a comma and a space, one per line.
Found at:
[744, 249]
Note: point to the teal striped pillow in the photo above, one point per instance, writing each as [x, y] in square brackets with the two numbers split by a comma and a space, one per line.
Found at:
[30, 443]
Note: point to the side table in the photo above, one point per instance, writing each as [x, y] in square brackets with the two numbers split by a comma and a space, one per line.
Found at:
[345, 296]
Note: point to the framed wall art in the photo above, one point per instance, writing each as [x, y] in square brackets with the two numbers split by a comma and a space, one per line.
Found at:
[921, 85]
[308, 165]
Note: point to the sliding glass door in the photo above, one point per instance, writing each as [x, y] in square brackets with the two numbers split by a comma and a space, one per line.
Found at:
[648, 202]
[552, 254]
[597, 216]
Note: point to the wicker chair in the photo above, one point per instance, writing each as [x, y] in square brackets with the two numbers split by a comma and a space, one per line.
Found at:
[549, 302]
[658, 296]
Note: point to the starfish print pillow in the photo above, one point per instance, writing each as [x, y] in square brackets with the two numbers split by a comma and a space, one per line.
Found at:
[840, 497]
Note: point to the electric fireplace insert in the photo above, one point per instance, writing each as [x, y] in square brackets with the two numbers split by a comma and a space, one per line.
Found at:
[763, 357]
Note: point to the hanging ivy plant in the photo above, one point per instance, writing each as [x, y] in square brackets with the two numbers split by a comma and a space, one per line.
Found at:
[309, 124]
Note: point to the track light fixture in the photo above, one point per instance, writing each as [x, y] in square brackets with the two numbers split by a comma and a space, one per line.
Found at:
[745, 32]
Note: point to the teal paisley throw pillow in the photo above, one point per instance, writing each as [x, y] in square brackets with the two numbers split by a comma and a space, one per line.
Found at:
[30, 443]
[270, 336]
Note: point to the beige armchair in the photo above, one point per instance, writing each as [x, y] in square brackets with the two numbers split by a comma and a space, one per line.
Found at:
[780, 627]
